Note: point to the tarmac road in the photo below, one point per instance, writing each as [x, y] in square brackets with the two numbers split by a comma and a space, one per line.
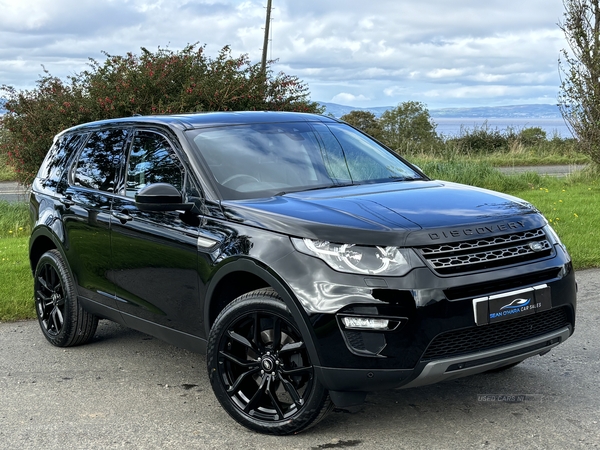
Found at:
[553, 171]
[13, 192]
[128, 390]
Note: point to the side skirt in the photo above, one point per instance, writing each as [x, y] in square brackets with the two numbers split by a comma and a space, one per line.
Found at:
[177, 338]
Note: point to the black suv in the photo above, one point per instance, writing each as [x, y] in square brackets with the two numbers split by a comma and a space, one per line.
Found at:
[309, 262]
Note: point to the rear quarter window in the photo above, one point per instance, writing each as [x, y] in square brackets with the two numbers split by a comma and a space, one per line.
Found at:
[54, 164]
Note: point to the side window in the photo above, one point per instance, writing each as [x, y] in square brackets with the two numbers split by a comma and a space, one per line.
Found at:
[152, 160]
[52, 168]
[100, 159]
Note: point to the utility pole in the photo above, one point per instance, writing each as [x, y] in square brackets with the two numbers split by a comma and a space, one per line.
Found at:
[263, 64]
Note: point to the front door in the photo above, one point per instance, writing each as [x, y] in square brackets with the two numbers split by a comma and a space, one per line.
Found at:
[154, 264]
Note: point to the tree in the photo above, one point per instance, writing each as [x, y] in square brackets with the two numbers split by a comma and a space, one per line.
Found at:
[579, 66]
[408, 126]
[162, 82]
[531, 136]
[364, 121]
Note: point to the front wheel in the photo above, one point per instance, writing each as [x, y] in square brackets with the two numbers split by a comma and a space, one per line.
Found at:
[260, 369]
[62, 320]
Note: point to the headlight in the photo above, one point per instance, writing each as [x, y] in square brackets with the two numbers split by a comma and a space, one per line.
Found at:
[350, 258]
[555, 240]
[552, 235]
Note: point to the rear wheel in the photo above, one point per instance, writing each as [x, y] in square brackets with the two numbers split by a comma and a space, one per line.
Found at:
[62, 320]
[260, 369]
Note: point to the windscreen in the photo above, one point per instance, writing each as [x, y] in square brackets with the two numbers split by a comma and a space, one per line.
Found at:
[263, 160]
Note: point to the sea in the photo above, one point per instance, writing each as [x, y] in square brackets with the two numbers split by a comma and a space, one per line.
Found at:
[455, 126]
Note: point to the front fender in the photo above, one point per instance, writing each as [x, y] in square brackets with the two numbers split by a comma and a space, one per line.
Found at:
[273, 280]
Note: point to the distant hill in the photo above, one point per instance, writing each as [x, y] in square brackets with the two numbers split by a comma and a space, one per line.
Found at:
[537, 111]
[339, 110]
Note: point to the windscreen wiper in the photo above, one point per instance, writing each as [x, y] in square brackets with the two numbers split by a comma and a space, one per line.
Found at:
[316, 188]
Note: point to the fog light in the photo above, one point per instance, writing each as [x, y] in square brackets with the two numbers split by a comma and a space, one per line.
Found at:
[365, 323]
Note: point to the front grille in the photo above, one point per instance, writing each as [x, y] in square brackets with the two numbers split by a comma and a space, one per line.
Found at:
[470, 340]
[502, 285]
[487, 253]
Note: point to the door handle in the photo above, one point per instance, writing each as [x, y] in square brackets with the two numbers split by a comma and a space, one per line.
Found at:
[122, 216]
[67, 201]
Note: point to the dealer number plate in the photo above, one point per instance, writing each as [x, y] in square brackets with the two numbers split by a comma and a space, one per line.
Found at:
[510, 305]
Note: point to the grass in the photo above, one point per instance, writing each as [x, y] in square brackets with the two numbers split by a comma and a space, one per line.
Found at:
[503, 147]
[573, 216]
[553, 151]
[14, 219]
[518, 156]
[16, 296]
[566, 202]
[505, 159]
[480, 174]
[6, 172]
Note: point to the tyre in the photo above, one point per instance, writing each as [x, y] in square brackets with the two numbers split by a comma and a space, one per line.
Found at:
[260, 369]
[62, 320]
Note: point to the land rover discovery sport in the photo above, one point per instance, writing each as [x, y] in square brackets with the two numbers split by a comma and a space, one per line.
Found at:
[309, 262]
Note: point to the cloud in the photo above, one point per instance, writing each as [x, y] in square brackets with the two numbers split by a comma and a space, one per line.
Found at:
[384, 52]
[345, 98]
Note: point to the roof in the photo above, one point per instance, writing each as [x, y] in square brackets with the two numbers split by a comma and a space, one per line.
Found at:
[209, 119]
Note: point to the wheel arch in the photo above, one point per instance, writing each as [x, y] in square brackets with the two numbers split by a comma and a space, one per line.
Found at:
[244, 275]
[40, 242]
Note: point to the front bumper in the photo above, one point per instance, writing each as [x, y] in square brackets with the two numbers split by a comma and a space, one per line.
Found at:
[425, 373]
[461, 366]
[413, 356]
[438, 329]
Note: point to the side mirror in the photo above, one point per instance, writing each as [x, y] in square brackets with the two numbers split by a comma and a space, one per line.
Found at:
[161, 197]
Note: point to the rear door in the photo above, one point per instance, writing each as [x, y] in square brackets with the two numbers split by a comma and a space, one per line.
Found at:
[87, 204]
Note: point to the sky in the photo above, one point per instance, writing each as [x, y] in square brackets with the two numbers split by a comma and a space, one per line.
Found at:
[460, 53]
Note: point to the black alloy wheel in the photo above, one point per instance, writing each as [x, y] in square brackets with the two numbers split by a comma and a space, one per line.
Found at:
[260, 368]
[62, 320]
[50, 300]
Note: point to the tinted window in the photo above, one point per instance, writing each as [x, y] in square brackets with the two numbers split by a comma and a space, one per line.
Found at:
[100, 159]
[152, 160]
[52, 168]
[259, 160]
